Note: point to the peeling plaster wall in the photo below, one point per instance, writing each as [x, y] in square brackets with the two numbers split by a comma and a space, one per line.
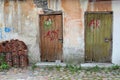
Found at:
[73, 49]
[19, 20]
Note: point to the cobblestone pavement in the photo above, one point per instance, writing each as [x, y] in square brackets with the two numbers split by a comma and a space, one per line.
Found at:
[57, 74]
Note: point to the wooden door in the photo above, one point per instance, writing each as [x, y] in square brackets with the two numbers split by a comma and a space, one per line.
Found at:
[51, 37]
[98, 36]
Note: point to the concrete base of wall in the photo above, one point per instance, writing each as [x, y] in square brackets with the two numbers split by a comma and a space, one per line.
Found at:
[73, 55]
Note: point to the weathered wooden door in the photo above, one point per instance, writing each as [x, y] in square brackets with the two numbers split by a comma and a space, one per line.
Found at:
[51, 37]
[98, 36]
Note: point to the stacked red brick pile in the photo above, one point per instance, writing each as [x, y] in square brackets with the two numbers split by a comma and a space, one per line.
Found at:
[15, 53]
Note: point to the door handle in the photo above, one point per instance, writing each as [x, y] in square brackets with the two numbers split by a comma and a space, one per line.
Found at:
[107, 39]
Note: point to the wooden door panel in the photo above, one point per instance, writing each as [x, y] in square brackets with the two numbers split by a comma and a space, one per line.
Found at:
[50, 33]
[98, 34]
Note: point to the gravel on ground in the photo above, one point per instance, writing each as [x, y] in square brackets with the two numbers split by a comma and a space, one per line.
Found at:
[41, 73]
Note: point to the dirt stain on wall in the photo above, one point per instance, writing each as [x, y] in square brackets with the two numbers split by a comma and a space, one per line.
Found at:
[73, 14]
[6, 6]
[27, 7]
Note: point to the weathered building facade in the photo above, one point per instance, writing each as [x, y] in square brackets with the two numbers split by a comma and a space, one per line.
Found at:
[76, 32]
[88, 34]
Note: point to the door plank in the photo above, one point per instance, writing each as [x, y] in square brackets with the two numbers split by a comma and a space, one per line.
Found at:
[51, 48]
[98, 28]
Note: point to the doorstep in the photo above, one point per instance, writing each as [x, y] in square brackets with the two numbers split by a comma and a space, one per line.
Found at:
[45, 64]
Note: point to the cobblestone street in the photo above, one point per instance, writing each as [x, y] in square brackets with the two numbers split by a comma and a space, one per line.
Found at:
[59, 73]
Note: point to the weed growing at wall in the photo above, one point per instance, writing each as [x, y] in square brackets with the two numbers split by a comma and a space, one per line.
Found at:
[73, 68]
[3, 63]
[33, 66]
[93, 69]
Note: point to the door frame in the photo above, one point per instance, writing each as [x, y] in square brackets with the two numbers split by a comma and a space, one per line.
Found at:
[98, 12]
[40, 39]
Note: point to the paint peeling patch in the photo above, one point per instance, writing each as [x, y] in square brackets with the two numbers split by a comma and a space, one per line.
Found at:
[103, 6]
[100, 6]
[73, 16]
[27, 7]
[72, 8]
[6, 3]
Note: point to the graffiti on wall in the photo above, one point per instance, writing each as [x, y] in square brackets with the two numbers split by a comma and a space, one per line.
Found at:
[94, 24]
[4, 31]
[52, 35]
[48, 23]
[7, 29]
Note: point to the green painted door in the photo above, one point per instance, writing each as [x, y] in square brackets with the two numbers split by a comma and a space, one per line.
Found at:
[98, 36]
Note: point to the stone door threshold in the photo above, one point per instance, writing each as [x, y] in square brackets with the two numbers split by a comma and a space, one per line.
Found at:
[45, 64]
